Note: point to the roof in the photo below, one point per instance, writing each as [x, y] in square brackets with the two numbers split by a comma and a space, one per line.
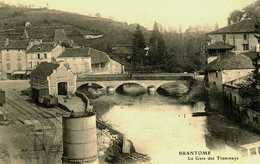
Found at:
[43, 70]
[220, 45]
[43, 47]
[75, 52]
[242, 82]
[230, 61]
[97, 56]
[15, 44]
[245, 26]
[251, 55]
[122, 50]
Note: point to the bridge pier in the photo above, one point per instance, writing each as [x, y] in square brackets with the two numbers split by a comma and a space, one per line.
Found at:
[110, 90]
[151, 90]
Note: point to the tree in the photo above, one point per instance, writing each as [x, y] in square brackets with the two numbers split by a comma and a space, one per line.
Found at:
[157, 47]
[138, 47]
[235, 17]
[98, 15]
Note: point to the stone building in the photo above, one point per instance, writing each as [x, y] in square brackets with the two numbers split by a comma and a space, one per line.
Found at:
[90, 60]
[227, 68]
[240, 35]
[13, 58]
[43, 52]
[78, 59]
[52, 79]
[101, 63]
[243, 102]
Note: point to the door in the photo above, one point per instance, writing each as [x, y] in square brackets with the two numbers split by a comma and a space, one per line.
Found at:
[62, 88]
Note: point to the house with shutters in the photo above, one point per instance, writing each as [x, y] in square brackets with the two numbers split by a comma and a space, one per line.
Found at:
[13, 58]
[237, 38]
[43, 52]
[240, 35]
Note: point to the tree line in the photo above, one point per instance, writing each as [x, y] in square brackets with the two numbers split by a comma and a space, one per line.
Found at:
[168, 51]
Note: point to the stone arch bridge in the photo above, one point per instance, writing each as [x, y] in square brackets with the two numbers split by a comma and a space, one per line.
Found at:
[145, 80]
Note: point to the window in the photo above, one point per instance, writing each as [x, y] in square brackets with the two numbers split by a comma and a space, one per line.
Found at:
[245, 47]
[256, 120]
[234, 42]
[19, 66]
[39, 56]
[8, 66]
[19, 57]
[31, 65]
[245, 37]
[253, 151]
[216, 74]
[244, 152]
[8, 57]
[45, 56]
[224, 38]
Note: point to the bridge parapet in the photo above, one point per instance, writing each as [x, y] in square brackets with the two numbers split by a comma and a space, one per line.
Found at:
[111, 82]
[125, 77]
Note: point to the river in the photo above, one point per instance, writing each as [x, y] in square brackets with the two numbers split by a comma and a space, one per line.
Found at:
[163, 129]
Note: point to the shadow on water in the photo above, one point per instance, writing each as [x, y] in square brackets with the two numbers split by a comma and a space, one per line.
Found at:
[173, 89]
[92, 90]
[131, 89]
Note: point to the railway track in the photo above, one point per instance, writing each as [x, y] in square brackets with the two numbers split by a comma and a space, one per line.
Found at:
[21, 110]
[27, 114]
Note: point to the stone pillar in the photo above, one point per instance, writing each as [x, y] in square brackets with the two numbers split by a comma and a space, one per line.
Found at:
[110, 90]
[151, 90]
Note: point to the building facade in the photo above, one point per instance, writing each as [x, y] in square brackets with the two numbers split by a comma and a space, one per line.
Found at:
[90, 61]
[13, 59]
[228, 68]
[78, 60]
[101, 63]
[52, 79]
[240, 35]
[43, 52]
[241, 99]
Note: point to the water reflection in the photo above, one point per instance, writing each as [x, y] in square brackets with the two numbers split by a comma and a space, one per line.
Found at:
[161, 128]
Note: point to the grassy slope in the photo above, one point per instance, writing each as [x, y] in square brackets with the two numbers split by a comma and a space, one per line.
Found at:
[114, 32]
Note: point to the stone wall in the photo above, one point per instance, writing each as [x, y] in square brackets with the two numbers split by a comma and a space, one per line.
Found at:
[218, 78]
[77, 65]
[215, 79]
[62, 74]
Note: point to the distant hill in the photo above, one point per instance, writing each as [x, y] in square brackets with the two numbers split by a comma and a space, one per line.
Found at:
[44, 21]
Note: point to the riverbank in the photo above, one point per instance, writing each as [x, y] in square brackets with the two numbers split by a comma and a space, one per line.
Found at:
[195, 94]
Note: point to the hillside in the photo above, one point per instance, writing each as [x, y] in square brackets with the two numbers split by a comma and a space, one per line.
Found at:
[76, 26]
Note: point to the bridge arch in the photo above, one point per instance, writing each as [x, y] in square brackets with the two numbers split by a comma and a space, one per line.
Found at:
[90, 85]
[134, 89]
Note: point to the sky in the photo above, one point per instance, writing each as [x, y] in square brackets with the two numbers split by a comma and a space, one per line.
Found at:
[172, 14]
